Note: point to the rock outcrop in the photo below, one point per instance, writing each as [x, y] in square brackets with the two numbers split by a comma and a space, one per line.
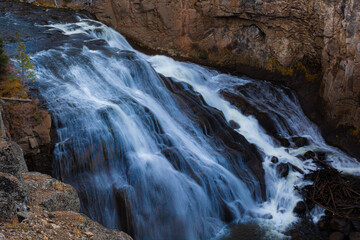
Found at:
[37, 206]
[30, 127]
[311, 46]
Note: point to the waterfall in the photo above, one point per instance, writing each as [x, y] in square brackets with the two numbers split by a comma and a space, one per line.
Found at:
[157, 147]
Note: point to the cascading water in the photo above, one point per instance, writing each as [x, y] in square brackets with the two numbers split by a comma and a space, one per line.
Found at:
[147, 143]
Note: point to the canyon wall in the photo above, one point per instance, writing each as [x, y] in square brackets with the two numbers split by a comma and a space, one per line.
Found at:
[310, 46]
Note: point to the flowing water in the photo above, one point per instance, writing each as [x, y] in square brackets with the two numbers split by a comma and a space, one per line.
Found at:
[148, 144]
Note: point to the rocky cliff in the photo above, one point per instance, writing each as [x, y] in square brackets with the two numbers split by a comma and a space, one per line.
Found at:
[311, 46]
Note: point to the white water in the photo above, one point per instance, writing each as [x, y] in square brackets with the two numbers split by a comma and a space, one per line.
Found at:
[116, 120]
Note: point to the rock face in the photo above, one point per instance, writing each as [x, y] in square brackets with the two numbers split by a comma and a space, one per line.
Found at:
[37, 206]
[30, 127]
[311, 46]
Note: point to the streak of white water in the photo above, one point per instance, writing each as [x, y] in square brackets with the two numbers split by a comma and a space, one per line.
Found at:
[115, 118]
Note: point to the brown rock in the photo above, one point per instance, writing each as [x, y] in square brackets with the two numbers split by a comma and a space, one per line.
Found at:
[50, 194]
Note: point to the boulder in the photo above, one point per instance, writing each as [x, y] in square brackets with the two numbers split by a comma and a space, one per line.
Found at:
[49, 194]
[11, 158]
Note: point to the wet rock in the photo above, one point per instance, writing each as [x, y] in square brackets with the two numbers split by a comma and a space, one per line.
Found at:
[274, 159]
[309, 155]
[340, 225]
[49, 194]
[122, 200]
[284, 142]
[300, 141]
[336, 236]
[282, 169]
[300, 208]
[234, 124]
[354, 236]
[7, 208]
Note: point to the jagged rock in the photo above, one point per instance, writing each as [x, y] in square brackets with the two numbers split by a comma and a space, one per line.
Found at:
[47, 193]
[282, 169]
[7, 208]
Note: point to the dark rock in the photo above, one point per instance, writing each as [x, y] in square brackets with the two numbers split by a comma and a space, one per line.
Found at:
[300, 141]
[309, 155]
[300, 208]
[274, 159]
[340, 225]
[234, 124]
[284, 142]
[7, 208]
[354, 236]
[282, 169]
[336, 236]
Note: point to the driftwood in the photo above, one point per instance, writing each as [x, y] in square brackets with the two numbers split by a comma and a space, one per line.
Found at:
[16, 99]
[333, 191]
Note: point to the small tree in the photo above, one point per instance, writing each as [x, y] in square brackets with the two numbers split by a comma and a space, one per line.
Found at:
[24, 64]
[4, 59]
